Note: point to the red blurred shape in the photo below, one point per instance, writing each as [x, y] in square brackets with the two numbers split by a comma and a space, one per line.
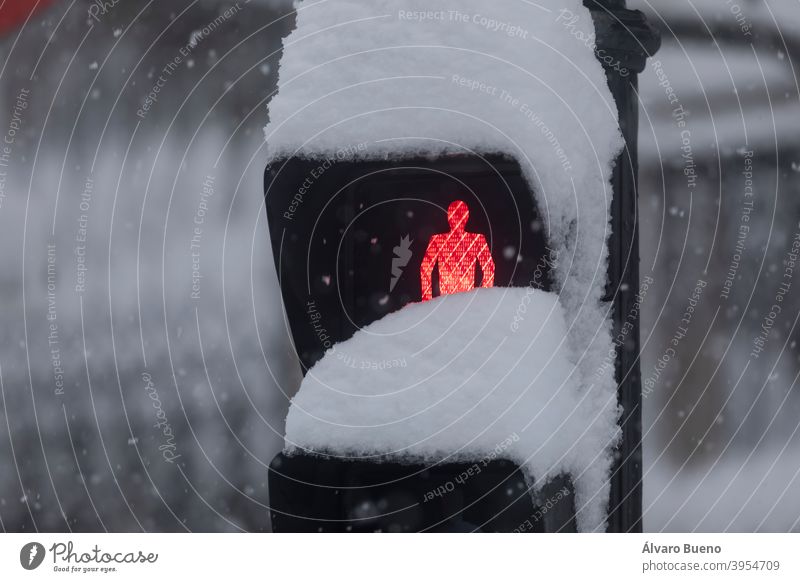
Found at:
[456, 253]
[14, 12]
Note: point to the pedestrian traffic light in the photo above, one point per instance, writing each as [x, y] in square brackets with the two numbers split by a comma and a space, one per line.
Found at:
[356, 237]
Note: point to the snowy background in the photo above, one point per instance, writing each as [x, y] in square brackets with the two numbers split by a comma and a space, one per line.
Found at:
[95, 331]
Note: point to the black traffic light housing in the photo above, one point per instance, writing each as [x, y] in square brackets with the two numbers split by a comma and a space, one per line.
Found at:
[334, 227]
[312, 494]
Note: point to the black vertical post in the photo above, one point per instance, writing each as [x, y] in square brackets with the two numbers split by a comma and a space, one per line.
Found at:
[624, 40]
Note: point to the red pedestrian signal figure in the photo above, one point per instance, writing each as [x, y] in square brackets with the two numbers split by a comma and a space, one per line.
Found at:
[456, 252]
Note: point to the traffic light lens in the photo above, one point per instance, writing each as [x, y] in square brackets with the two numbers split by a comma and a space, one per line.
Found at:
[360, 240]
[456, 253]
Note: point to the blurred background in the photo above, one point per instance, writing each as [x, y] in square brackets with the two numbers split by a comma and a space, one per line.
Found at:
[145, 367]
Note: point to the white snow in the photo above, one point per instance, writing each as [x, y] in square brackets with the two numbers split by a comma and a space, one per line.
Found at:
[375, 80]
[459, 377]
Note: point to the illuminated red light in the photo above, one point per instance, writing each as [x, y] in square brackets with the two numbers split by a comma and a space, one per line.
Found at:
[456, 252]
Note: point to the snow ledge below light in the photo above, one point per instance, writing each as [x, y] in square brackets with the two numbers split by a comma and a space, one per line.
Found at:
[456, 379]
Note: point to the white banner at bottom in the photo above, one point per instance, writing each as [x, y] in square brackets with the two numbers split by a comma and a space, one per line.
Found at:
[370, 557]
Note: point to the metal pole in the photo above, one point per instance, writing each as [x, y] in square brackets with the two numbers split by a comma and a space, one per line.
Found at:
[629, 39]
